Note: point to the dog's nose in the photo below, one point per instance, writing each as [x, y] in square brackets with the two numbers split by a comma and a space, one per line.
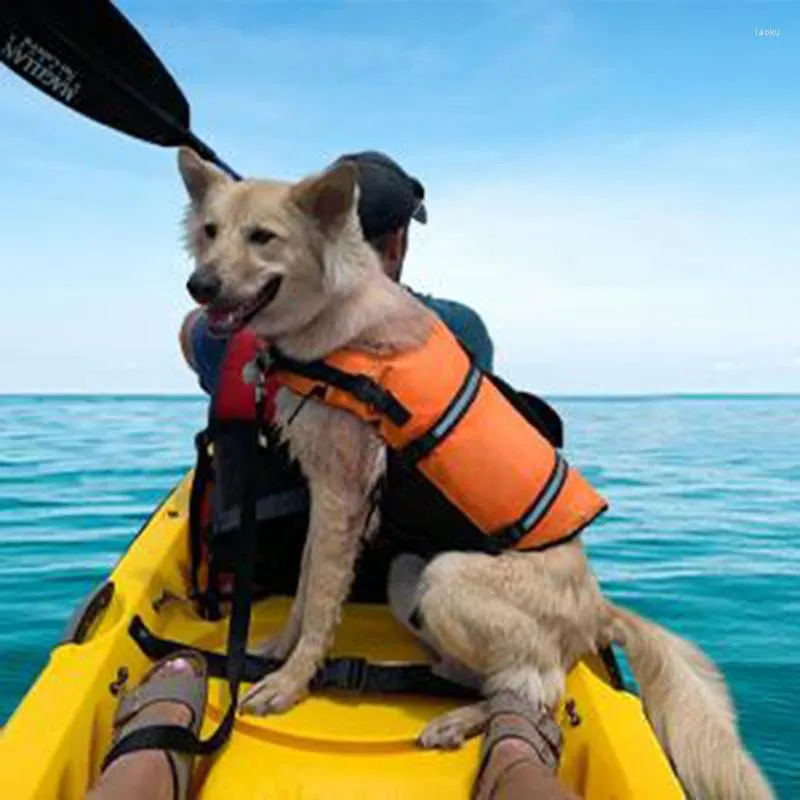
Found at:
[204, 285]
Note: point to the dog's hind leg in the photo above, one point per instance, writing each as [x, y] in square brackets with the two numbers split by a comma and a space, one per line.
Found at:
[467, 614]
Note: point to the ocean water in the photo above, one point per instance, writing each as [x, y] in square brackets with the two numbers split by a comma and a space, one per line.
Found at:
[703, 533]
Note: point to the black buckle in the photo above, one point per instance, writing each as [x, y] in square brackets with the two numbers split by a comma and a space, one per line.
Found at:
[506, 539]
[378, 399]
[369, 393]
[344, 673]
[202, 441]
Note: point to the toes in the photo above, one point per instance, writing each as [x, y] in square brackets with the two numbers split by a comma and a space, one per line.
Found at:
[175, 667]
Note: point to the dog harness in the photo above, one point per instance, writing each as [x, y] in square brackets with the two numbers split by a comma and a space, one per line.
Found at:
[468, 435]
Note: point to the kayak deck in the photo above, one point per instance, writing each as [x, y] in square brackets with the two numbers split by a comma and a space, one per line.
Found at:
[332, 745]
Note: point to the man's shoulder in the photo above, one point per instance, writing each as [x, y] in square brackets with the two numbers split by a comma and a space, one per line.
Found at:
[466, 323]
[203, 350]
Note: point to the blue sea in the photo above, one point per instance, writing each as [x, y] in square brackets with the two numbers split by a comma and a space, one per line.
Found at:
[703, 533]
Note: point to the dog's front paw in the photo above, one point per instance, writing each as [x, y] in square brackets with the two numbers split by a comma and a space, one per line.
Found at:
[450, 731]
[274, 694]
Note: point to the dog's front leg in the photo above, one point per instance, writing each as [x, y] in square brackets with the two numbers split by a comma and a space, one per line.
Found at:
[334, 539]
[280, 645]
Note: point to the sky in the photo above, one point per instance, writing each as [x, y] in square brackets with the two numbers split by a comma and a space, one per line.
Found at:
[614, 186]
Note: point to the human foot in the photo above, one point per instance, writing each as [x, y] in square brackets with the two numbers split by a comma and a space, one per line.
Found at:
[173, 693]
[520, 753]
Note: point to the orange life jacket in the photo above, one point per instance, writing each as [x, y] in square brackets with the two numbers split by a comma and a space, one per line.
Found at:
[442, 415]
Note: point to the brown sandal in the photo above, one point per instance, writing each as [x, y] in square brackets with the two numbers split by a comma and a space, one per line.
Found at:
[189, 688]
[511, 717]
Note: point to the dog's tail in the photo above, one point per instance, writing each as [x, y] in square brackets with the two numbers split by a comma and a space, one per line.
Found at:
[688, 705]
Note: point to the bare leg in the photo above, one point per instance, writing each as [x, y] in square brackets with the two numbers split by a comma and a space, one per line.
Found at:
[514, 772]
[137, 775]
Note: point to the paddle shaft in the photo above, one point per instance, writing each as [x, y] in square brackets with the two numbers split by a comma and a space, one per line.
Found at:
[189, 138]
[204, 151]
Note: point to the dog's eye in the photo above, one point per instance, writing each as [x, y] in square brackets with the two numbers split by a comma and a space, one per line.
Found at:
[260, 236]
[210, 230]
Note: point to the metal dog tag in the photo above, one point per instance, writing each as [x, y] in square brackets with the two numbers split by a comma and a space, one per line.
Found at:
[251, 373]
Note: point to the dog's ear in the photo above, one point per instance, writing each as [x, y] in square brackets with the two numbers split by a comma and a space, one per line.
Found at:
[198, 176]
[329, 196]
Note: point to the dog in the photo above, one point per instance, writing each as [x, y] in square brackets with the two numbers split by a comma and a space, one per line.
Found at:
[289, 260]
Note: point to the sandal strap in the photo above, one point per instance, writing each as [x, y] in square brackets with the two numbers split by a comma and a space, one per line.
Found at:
[179, 688]
[543, 737]
[161, 738]
[537, 729]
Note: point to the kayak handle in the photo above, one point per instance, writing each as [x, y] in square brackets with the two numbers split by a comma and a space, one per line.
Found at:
[87, 613]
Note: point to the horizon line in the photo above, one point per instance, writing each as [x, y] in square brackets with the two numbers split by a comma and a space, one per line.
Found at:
[679, 395]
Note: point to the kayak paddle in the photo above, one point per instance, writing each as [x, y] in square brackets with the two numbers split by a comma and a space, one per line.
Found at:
[88, 56]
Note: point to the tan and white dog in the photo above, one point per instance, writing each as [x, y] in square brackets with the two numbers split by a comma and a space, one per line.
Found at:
[290, 260]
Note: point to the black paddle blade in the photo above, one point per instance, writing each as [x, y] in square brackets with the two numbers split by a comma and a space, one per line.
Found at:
[83, 53]
[88, 56]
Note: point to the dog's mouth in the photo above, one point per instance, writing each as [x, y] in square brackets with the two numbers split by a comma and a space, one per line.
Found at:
[227, 319]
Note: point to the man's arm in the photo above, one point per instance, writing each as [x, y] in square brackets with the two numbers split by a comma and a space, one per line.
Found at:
[202, 351]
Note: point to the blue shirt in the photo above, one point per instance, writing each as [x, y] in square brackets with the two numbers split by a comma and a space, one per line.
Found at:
[207, 350]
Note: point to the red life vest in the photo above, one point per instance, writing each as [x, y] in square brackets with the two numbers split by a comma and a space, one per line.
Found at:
[235, 399]
[215, 504]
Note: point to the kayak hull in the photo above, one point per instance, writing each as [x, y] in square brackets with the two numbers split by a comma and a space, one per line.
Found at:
[331, 745]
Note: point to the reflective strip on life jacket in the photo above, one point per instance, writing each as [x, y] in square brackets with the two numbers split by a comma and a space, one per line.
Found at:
[461, 433]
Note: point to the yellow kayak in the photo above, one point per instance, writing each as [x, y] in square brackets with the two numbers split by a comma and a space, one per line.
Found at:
[332, 745]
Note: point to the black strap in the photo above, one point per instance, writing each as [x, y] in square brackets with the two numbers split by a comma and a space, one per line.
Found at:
[545, 418]
[171, 737]
[269, 507]
[612, 665]
[346, 673]
[202, 473]
[362, 387]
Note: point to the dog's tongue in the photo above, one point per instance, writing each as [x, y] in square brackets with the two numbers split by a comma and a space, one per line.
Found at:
[223, 320]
